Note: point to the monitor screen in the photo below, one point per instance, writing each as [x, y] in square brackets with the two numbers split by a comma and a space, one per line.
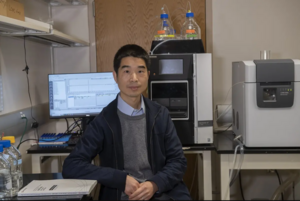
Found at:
[80, 94]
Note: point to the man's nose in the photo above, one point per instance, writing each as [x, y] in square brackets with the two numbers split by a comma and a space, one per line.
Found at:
[134, 77]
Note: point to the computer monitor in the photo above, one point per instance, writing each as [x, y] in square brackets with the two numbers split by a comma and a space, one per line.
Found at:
[80, 95]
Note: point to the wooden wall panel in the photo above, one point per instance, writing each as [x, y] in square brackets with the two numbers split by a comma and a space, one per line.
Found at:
[120, 22]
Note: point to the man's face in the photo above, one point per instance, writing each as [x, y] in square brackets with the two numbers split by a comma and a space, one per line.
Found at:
[132, 77]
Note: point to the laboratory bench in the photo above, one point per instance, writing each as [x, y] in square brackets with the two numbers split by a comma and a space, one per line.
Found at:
[254, 159]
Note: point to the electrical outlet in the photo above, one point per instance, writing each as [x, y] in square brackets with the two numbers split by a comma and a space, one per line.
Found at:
[22, 115]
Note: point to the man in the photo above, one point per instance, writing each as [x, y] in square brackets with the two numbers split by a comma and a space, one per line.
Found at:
[141, 155]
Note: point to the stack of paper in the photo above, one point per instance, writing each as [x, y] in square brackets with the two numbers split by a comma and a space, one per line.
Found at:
[58, 187]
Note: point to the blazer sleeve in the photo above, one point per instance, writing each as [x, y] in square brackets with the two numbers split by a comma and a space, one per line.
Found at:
[175, 167]
[78, 164]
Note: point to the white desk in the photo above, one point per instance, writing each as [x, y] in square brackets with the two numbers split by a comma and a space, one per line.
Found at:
[205, 176]
[254, 159]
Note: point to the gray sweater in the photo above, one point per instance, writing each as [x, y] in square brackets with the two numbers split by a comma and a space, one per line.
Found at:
[134, 136]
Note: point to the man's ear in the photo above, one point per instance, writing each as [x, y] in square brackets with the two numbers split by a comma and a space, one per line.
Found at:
[115, 76]
[149, 73]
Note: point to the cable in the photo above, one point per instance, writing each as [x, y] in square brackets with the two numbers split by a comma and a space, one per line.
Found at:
[241, 146]
[189, 3]
[25, 141]
[293, 190]
[25, 51]
[160, 45]
[26, 69]
[231, 170]
[241, 187]
[280, 182]
[37, 134]
[78, 124]
[23, 132]
[241, 158]
[67, 124]
[195, 168]
[224, 130]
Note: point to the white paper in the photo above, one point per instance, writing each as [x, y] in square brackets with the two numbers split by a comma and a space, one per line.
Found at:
[58, 187]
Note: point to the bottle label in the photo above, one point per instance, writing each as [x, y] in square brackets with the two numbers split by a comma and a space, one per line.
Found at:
[190, 31]
[164, 36]
[20, 161]
[161, 32]
[191, 35]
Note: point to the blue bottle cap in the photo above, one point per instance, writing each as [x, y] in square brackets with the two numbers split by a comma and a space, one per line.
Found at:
[5, 143]
[164, 15]
[1, 148]
[190, 14]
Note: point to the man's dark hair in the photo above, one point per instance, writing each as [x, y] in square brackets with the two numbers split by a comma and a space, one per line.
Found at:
[130, 50]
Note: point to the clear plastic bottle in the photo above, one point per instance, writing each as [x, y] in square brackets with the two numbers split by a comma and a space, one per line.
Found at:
[9, 156]
[18, 155]
[164, 29]
[5, 176]
[190, 29]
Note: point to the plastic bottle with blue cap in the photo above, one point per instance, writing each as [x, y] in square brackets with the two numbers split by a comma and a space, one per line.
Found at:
[164, 29]
[5, 176]
[9, 156]
[190, 29]
[17, 155]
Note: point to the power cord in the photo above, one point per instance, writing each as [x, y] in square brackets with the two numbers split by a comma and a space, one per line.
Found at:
[241, 147]
[25, 141]
[195, 169]
[67, 125]
[35, 124]
[78, 124]
[23, 132]
[280, 182]
[293, 190]
[241, 186]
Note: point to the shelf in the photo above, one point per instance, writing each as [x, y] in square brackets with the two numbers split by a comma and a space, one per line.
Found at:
[37, 30]
[67, 2]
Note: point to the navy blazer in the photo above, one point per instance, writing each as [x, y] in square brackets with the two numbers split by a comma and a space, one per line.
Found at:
[104, 137]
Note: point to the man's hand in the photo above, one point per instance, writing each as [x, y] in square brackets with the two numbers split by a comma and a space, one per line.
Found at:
[131, 185]
[145, 192]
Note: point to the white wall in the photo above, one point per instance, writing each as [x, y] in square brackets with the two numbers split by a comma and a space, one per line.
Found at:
[238, 30]
[68, 19]
[14, 79]
[12, 62]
